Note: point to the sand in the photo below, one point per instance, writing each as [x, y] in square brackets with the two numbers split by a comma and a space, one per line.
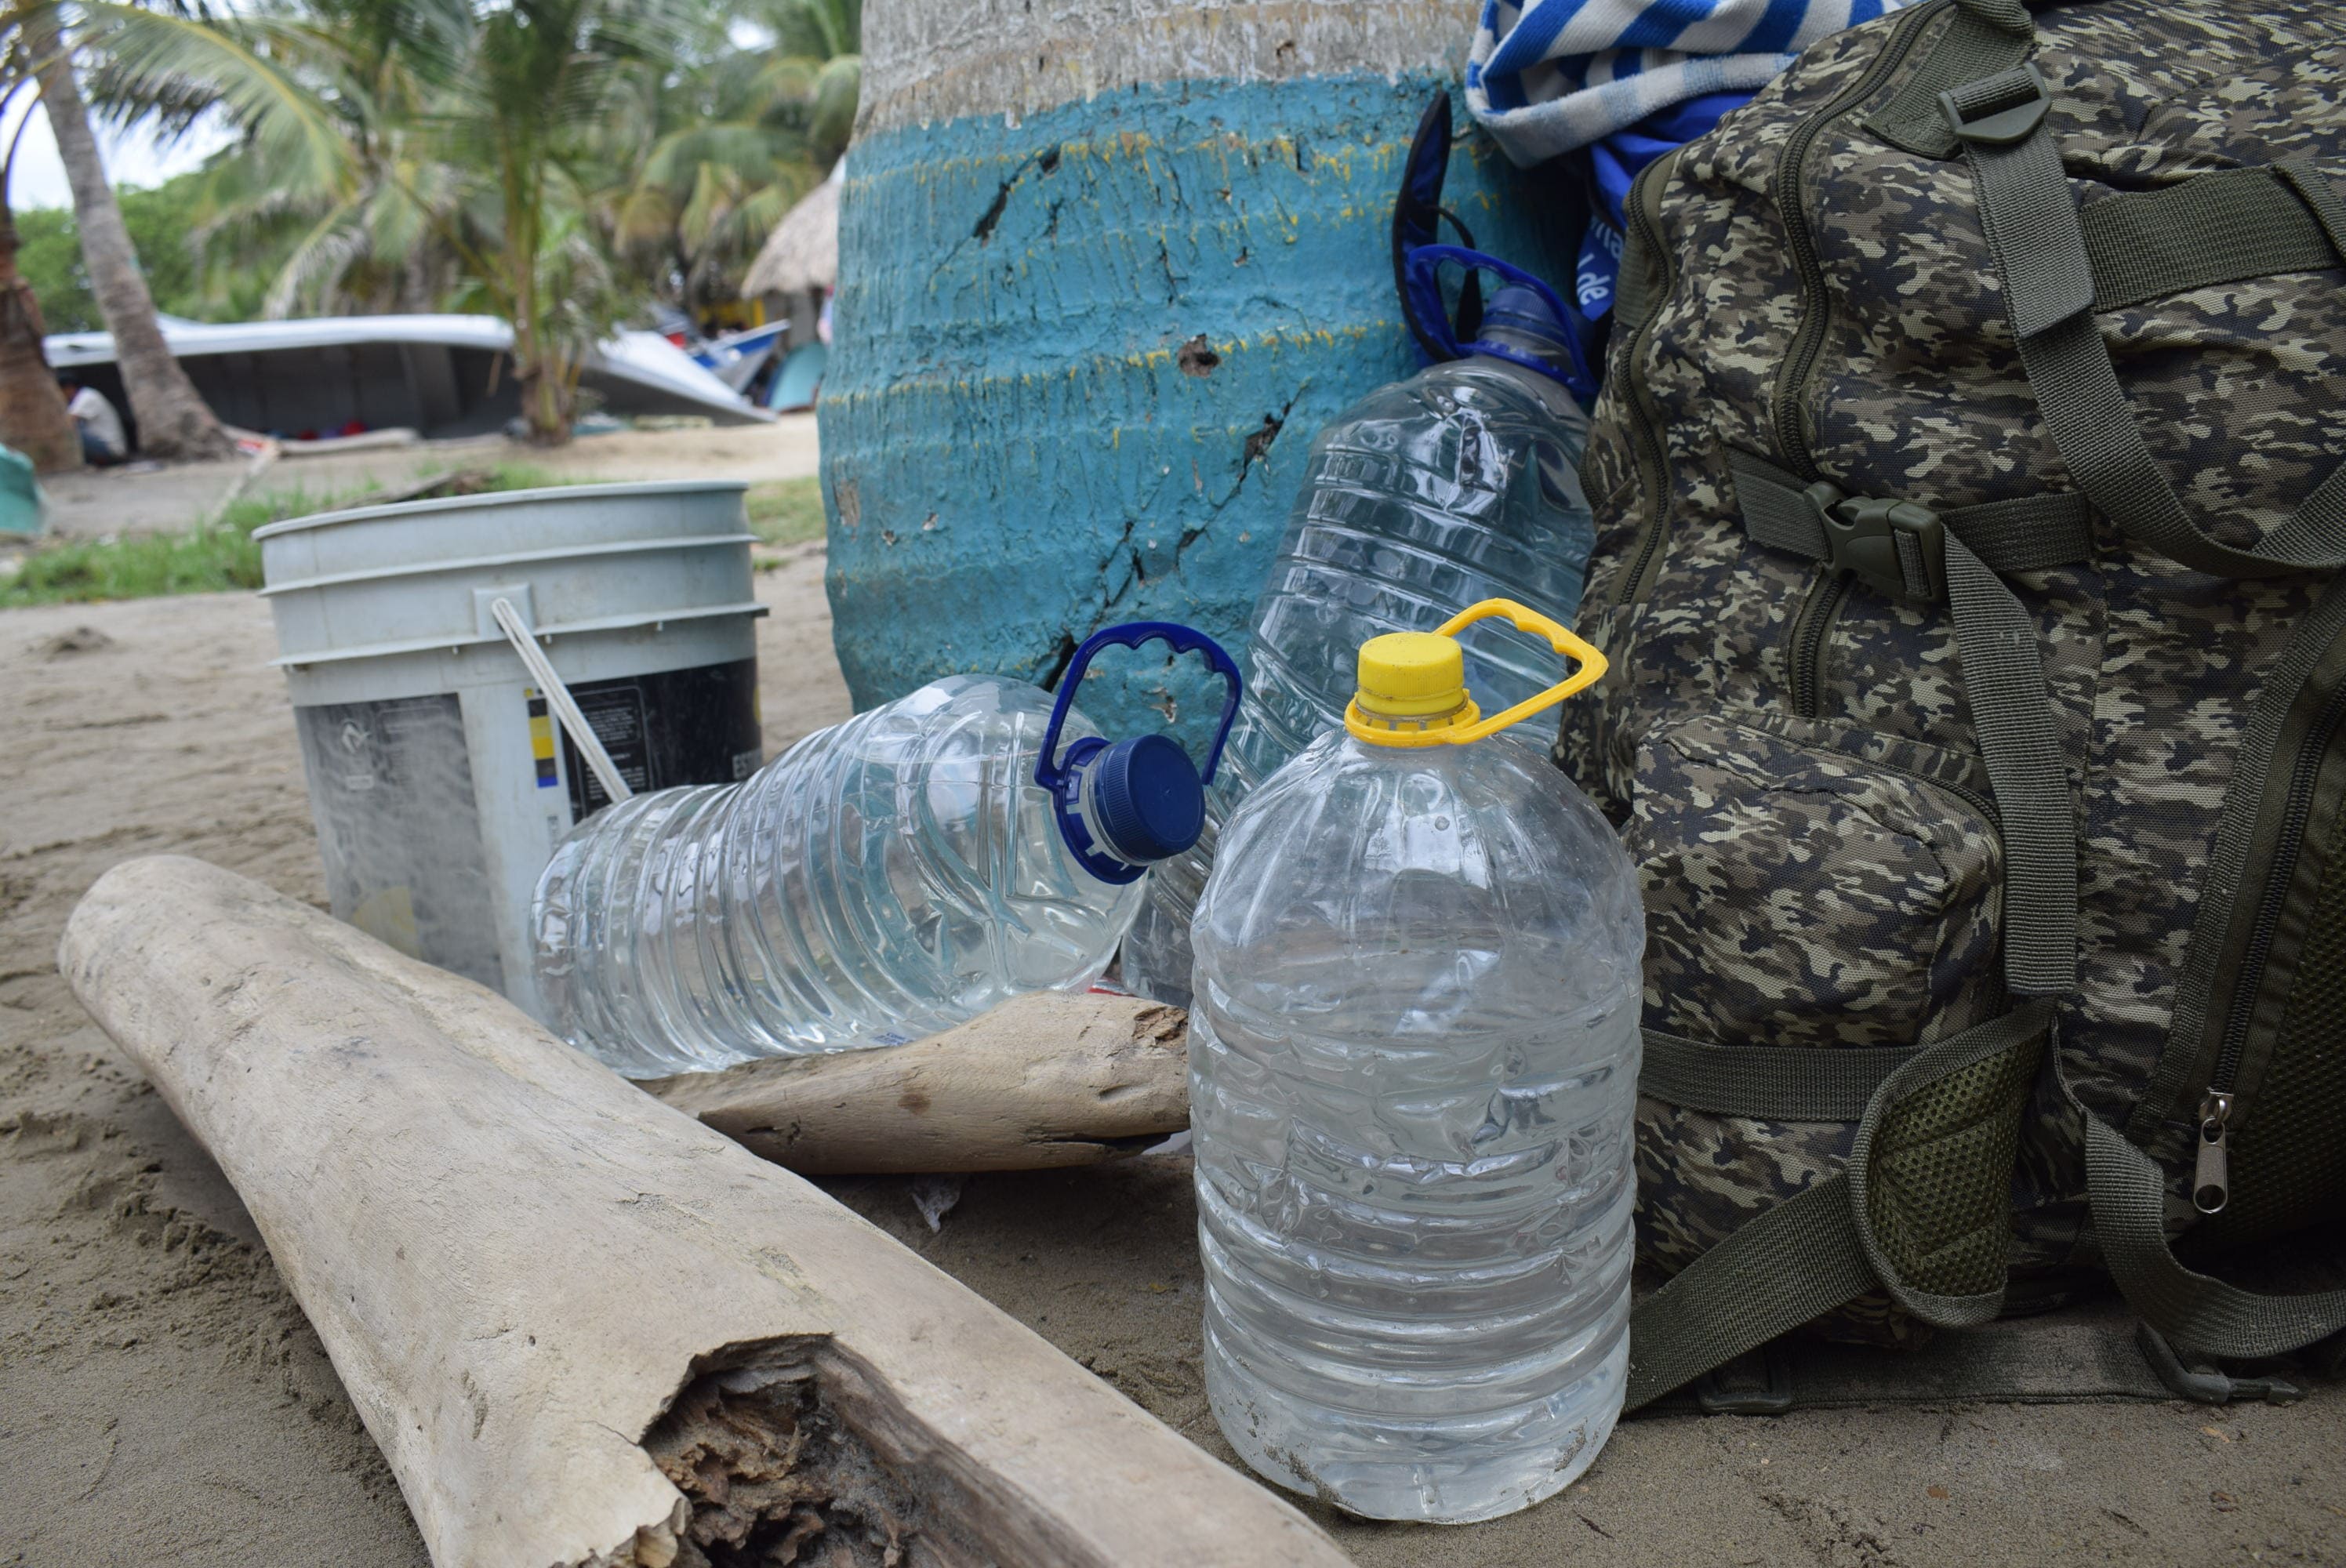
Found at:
[163, 1400]
[97, 502]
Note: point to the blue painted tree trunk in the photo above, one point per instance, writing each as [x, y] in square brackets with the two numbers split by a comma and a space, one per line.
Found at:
[1079, 358]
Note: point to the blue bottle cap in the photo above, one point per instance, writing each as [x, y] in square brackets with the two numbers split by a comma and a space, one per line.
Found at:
[1151, 805]
[1121, 806]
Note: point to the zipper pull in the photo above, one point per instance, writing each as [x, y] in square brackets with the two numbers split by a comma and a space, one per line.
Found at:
[2212, 1175]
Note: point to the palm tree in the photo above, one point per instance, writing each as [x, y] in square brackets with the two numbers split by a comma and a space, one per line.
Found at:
[552, 161]
[691, 202]
[817, 60]
[32, 417]
[470, 130]
[174, 421]
[737, 136]
[330, 190]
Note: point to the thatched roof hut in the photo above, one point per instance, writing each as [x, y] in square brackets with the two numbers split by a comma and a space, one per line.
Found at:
[802, 253]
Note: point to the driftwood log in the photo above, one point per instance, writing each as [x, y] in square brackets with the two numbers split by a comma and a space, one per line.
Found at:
[1041, 1081]
[584, 1328]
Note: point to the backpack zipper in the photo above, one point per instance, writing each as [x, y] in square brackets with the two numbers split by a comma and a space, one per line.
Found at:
[1982, 805]
[1644, 211]
[1799, 239]
[2211, 1181]
[1811, 628]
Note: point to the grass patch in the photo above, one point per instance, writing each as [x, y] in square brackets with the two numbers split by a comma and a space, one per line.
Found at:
[529, 476]
[786, 511]
[211, 560]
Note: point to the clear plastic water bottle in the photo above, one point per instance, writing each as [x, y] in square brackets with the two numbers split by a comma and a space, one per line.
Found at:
[1413, 1064]
[882, 879]
[1426, 497]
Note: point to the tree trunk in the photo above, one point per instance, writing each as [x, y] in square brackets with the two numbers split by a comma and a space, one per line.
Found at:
[547, 382]
[549, 398]
[587, 1332]
[32, 417]
[174, 422]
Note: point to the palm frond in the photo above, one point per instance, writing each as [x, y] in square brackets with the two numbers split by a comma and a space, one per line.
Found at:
[289, 123]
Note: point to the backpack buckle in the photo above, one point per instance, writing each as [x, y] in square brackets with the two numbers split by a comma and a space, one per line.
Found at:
[1998, 110]
[1895, 546]
[1756, 1383]
[2204, 1383]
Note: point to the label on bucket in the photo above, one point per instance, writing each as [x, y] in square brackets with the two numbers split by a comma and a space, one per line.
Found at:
[391, 786]
[680, 726]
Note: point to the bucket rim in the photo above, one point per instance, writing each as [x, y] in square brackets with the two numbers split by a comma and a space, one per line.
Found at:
[498, 498]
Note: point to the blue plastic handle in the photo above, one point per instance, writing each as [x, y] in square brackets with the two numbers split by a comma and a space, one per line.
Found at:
[1051, 774]
[1423, 268]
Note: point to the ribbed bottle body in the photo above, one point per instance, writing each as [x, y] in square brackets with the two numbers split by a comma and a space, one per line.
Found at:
[1430, 495]
[1414, 1061]
[883, 878]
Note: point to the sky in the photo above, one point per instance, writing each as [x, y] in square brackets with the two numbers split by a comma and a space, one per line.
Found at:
[135, 156]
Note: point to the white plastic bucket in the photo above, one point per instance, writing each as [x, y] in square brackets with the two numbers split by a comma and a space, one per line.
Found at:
[438, 779]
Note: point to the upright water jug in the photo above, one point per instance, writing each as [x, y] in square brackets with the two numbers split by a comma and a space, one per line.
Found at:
[1413, 1068]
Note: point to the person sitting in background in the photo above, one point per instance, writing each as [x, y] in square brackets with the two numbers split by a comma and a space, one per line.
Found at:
[103, 441]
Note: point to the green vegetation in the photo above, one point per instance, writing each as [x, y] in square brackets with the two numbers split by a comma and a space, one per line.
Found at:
[207, 560]
[787, 512]
[215, 559]
[565, 164]
[164, 223]
[222, 557]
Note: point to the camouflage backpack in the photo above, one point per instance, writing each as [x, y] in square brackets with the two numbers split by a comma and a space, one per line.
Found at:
[1968, 558]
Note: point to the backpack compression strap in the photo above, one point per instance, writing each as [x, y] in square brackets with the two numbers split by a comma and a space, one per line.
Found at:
[2042, 255]
[1908, 1212]
[1908, 1223]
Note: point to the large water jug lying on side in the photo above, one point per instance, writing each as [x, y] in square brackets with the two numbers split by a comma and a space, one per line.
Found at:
[1426, 497]
[883, 878]
[1413, 1074]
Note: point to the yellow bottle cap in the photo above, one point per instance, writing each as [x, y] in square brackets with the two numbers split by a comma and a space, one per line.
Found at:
[1412, 684]
[1409, 675]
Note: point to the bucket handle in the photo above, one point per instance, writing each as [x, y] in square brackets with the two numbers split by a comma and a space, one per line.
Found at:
[558, 696]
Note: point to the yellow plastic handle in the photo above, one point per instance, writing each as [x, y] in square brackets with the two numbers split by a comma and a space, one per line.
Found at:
[1523, 619]
[1590, 669]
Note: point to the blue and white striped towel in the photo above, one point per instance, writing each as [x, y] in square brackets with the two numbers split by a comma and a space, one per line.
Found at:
[1545, 76]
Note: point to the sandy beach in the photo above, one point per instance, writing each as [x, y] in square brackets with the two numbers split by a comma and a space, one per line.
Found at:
[162, 1400]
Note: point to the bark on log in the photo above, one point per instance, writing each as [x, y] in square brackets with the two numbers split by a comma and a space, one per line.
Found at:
[584, 1328]
[1042, 1081]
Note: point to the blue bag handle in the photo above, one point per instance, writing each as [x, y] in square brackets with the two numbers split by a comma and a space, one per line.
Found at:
[1418, 217]
[1423, 282]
